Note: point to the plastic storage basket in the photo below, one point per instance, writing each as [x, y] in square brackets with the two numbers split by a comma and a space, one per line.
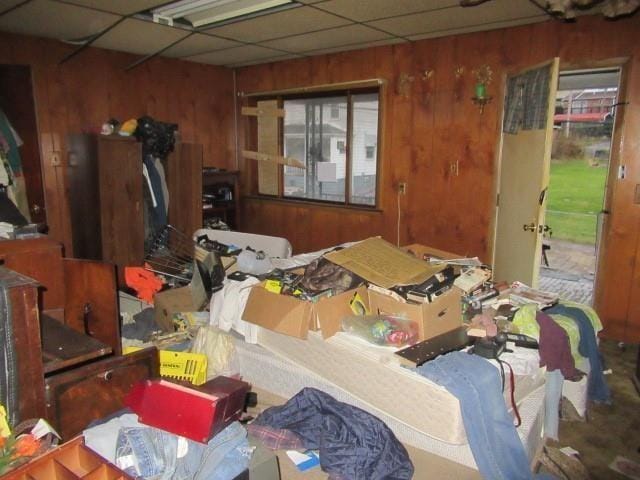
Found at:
[190, 367]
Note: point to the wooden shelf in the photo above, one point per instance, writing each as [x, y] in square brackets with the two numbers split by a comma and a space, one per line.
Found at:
[70, 461]
[64, 347]
[220, 196]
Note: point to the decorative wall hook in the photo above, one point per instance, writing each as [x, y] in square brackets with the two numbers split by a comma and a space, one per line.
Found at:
[427, 74]
[404, 84]
[483, 76]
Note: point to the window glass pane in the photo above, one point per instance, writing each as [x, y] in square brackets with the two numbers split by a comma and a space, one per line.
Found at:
[315, 132]
[364, 148]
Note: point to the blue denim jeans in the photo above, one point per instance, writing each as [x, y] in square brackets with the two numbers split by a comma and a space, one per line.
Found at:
[492, 436]
[151, 453]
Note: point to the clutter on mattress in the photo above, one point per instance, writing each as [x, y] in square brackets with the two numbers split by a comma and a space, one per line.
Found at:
[362, 320]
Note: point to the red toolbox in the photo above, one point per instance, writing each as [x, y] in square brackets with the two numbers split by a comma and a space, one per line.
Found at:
[197, 413]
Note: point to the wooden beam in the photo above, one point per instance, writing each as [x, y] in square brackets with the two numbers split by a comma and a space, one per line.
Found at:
[265, 157]
[263, 112]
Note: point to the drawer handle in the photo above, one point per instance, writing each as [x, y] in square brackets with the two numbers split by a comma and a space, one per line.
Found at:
[107, 376]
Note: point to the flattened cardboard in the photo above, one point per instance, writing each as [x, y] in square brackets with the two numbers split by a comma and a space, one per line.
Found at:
[440, 316]
[383, 264]
[294, 317]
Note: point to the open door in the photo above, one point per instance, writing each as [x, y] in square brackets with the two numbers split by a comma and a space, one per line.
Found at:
[524, 172]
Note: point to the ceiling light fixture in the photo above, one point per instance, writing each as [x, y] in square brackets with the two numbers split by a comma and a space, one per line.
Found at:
[200, 13]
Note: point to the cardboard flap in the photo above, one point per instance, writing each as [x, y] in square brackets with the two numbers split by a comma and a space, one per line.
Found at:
[381, 263]
[332, 310]
[279, 313]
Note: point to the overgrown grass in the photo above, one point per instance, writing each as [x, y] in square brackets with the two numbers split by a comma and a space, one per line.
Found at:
[576, 191]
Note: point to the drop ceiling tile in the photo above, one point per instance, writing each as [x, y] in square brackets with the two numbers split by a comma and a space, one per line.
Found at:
[123, 7]
[336, 37]
[139, 37]
[480, 28]
[309, 2]
[245, 53]
[457, 17]
[362, 11]
[45, 18]
[199, 43]
[281, 24]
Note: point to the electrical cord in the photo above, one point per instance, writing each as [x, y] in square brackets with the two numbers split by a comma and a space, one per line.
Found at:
[512, 382]
[398, 229]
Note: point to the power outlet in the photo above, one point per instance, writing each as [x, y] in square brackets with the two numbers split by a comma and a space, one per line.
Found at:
[402, 188]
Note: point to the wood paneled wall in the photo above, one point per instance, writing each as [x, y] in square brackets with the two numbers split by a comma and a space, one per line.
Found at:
[437, 126]
[81, 94]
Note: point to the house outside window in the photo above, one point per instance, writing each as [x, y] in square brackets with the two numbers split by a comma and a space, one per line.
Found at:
[340, 154]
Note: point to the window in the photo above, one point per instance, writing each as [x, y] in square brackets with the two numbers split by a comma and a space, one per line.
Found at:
[339, 151]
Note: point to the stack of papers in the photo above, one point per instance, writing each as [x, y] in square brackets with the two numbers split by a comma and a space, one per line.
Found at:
[522, 294]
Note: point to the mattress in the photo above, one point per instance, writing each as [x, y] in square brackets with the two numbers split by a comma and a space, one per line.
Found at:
[420, 413]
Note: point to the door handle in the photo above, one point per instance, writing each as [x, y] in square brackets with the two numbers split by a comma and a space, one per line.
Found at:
[86, 312]
[531, 227]
[544, 229]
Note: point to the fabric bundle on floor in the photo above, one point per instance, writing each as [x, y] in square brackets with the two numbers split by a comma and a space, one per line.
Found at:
[353, 444]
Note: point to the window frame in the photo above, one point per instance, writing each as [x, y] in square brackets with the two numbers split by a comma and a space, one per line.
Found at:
[348, 92]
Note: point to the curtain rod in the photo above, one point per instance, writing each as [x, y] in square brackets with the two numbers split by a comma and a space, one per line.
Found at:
[372, 82]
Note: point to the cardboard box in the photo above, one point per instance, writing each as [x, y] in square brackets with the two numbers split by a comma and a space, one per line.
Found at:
[291, 316]
[171, 301]
[423, 252]
[440, 316]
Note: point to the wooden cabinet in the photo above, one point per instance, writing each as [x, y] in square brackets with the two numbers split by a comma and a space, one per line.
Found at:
[67, 357]
[220, 197]
[105, 179]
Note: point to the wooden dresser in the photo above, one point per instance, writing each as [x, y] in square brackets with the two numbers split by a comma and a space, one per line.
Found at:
[69, 354]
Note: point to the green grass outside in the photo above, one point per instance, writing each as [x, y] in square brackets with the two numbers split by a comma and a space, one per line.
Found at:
[576, 192]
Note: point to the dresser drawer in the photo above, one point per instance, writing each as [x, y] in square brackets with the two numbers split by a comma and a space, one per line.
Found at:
[79, 396]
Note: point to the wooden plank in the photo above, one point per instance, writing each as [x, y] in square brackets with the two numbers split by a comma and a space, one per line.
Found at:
[63, 346]
[120, 180]
[184, 181]
[269, 143]
[265, 157]
[262, 112]
[91, 304]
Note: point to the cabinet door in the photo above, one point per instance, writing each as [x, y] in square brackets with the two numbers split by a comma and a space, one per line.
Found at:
[79, 396]
[91, 303]
[184, 181]
[84, 196]
[120, 177]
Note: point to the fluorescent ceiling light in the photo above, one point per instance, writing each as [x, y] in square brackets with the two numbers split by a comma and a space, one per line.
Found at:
[205, 12]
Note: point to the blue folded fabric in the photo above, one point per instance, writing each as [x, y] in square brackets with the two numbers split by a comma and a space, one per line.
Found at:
[353, 444]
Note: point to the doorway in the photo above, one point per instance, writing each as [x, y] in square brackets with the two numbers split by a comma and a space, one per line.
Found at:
[18, 107]
[580, 159]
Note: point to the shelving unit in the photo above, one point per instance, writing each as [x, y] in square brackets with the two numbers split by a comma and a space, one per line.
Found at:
[220, 196]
